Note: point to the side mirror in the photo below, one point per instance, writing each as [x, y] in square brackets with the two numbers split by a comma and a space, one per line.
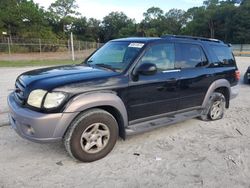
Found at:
[146, 69]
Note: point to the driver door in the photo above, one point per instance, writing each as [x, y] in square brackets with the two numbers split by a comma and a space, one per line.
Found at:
[156, 94]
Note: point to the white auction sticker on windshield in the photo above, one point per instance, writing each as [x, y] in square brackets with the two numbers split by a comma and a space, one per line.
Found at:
[136, 45]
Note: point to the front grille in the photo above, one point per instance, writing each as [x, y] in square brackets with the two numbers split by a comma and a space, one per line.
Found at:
[19, 92]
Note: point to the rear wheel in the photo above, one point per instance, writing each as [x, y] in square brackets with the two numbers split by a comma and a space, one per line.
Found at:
[91, 136]
[215, 108]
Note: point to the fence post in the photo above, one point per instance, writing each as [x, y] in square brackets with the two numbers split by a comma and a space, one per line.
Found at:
[72, 47]
[241, 49]
[40, 46]
[9, 45]
[69, 47]
[79, 46]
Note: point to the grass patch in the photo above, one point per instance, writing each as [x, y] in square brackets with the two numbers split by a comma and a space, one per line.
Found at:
[37, 63]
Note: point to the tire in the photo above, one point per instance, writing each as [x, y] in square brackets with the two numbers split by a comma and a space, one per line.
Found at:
[215, 108]
[91, 136]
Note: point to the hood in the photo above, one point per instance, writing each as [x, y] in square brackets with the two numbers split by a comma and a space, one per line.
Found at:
[54, 77]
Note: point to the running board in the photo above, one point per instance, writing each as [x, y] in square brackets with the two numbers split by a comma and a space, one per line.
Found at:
[161, 122]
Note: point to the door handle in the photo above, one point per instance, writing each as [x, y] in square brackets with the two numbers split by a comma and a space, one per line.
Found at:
[209, 75]
[172, 80]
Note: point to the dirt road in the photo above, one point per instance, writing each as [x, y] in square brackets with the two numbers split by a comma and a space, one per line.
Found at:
[189, 154]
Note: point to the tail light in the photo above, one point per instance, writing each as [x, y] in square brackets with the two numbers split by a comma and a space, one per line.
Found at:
[237, 75]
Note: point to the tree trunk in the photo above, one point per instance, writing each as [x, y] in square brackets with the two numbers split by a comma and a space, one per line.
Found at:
[211, 28]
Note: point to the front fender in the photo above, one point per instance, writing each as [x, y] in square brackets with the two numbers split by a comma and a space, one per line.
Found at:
[87, 101]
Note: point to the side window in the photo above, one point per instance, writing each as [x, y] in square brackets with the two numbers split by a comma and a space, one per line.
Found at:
[190, 56]
[162, 55]
[224, 55]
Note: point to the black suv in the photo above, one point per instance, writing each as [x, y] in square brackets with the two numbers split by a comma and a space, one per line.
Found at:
[128, 86]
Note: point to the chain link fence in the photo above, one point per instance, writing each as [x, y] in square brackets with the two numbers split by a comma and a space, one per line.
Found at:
[241, 49]
[44, 49]
[17, 49]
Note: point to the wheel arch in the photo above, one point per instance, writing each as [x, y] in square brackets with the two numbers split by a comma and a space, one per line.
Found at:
[225, 91]
[119, 118]
[107, 101]
[222, 86]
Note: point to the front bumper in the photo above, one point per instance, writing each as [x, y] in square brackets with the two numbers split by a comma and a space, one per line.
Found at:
[35, 126]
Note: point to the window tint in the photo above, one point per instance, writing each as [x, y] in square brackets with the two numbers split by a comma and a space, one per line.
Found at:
[189, 56]
[224, 55]
[162, 55]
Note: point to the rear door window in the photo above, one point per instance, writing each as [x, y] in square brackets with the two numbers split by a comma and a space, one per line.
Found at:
[189, 56]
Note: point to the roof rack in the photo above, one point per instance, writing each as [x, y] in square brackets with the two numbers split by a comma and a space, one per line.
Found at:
[191, 37]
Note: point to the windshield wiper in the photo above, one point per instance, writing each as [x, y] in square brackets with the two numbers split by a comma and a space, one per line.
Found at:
[105, 66]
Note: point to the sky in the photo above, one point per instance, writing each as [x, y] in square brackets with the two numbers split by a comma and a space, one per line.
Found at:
[132, 8]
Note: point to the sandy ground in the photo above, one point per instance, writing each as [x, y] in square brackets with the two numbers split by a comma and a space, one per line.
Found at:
[189, 154]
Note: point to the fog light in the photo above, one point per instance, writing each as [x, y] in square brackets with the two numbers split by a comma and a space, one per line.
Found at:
[29, 130]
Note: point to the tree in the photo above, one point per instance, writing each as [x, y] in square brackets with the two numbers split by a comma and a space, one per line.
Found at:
[79, 27]
[153, 13]
[154, 22]
[241, 24]
[24, 18]
[175, 19]
[9, 16]
[93, 30]
[196, 24]
[62, 12]
[114, 24]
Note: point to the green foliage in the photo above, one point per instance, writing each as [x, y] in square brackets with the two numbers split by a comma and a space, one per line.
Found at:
[24, 18]
[63, 8]
[155, 23]
[216, 19]
[227, 20]
[113, 24]
[241, 24]
[62, 12]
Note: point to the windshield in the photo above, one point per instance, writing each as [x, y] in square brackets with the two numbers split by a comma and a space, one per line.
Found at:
[115, 55]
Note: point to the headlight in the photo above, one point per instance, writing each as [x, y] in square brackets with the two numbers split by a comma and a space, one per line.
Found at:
[54, 99]
[36, 97]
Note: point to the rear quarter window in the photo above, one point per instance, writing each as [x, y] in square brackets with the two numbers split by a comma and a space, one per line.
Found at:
[224, 55]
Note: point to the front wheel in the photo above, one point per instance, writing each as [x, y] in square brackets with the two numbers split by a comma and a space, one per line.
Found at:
[215, 108]
[91, 136]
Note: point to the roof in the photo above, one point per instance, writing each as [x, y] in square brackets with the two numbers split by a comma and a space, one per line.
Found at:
[171, 38]
[186, 37]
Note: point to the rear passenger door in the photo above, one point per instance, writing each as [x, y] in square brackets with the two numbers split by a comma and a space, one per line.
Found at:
[195, 76]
